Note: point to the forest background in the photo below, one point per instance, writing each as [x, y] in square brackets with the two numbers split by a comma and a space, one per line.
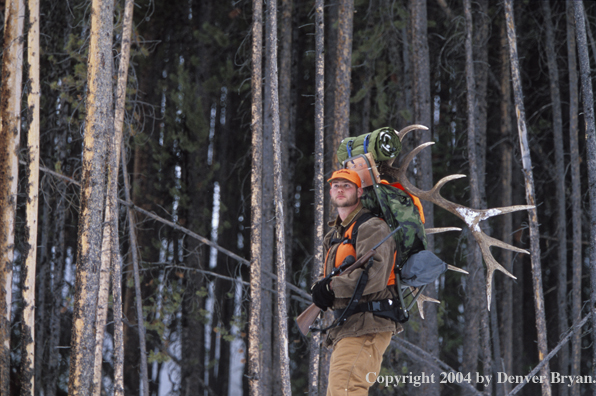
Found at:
[221, 188]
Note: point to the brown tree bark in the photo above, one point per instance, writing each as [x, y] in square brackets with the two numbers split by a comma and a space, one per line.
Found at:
[282, 308]
[254, 325]
[588, 110]
[112, 203]
[421, 99]
[561, 222]
[28, 271]
[475, 298]
[530, 197]
[319, 183]
[287, 128]
[506, 200]
[10, 128]
[270, 356]
[341, 110]
[576, 200]
[98, 123]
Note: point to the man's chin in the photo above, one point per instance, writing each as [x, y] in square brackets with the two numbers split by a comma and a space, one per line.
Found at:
[344, 204]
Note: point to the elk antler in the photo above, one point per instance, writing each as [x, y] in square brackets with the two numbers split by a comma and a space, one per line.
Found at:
[421, 300]
[471, 217]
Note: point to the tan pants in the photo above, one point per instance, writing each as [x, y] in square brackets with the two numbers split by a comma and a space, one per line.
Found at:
[352, 359]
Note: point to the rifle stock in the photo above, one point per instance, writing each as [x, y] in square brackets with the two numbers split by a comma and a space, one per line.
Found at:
[310, 314]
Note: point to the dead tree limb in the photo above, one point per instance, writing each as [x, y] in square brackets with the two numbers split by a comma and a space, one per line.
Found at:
[576, 327]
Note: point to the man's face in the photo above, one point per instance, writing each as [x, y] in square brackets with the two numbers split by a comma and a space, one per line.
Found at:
[344, 193]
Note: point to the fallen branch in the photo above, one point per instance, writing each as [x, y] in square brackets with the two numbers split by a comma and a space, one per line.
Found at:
[188, 232]
[422, 356]
[552, 353]
[229, 278]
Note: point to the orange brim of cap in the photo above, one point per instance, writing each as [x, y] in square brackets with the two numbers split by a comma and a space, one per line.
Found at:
[347, 174]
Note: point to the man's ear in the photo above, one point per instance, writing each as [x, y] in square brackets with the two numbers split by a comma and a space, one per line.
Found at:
[360, 192]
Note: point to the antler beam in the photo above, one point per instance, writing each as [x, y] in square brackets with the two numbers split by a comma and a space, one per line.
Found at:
[472, 217]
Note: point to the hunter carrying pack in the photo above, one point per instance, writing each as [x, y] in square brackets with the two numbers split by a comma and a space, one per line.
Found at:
[415, 266]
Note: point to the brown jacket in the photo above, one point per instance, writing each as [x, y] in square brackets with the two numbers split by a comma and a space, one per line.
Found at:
[370, 233]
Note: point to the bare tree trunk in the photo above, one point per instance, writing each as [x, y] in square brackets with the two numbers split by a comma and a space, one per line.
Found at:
[506, 200]
[341, 112]
[104, 281]
[287, 129]
[117, 313]
[114, 161]
[254, 326]
[474, 303]
[576, 209]
[319, 184]
[530, 198]
[282, 307]
[588, 109]
[43, 299]
[269, 354]
[132, 235]
[28, 272]
[421, 98]
[98, 123]
[480, 81]
[10, 129]
[57, 275]
[561, 223]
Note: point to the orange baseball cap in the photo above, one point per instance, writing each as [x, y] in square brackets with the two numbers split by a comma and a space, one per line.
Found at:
[348, 174]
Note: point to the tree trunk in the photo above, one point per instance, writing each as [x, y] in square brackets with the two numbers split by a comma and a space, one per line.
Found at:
[104, 280]
[287, 128]
[475, 301]
[112, 203]
[10, 128]
[341, 112]
[530, 198]
[98, 123]
[254, 333]
[506, 200]
[282, 308]
[588, 110]
[43, 299]
[421, 98]
[55, 292]
[270, 356]
[319, 184]
[576, 200]
[561, 222]
[28, 272]
[132, 234]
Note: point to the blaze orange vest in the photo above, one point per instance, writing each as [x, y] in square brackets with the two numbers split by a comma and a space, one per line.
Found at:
[347, 248]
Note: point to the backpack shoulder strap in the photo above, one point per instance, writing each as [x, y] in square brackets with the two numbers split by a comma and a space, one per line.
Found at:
[364, 217]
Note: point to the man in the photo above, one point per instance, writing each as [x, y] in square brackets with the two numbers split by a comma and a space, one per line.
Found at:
[358, 343]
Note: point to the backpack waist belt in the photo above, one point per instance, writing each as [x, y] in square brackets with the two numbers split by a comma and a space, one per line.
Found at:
[389, 308]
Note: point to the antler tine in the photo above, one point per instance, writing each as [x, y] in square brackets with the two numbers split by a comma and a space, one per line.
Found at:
[457, 269]
[409, 128]
[421, 300]
[438, 230]
[491, 264]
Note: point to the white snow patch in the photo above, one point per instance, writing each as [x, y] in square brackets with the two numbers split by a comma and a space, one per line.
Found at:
[473, 217]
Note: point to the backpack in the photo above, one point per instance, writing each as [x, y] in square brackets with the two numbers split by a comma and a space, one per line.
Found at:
[414, 265]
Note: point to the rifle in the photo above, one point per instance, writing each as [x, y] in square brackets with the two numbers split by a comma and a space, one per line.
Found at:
[310, 314]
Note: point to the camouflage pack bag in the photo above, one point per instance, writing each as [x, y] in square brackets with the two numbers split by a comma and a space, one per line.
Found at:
[397, 208]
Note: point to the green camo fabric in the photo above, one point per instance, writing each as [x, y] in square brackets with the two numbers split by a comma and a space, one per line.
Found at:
[384, 144]
[397, 208]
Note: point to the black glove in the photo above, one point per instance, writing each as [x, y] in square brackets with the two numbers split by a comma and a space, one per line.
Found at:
[321, 295]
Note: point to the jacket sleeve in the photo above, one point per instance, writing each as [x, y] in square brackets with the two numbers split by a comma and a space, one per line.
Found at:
[369, 234]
